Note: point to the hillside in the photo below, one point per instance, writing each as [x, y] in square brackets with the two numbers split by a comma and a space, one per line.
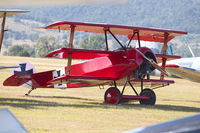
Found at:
[167, 14]
[170, 14]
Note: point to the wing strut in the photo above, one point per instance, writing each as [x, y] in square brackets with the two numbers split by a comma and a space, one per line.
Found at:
[117, 40]
[131, 39]
[71, 38]
[164, 51]
[2, 29]
[3, 14]
[106, 39]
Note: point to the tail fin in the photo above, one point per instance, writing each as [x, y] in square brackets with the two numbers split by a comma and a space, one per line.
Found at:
[24, 69]
[16, 80]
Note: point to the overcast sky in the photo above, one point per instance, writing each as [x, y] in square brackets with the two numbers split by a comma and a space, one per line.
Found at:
[15, 3]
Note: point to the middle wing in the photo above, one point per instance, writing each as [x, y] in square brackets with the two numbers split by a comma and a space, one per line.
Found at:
[79, 53]
[184, 72]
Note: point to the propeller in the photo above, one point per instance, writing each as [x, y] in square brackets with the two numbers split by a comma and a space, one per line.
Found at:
[153, 63]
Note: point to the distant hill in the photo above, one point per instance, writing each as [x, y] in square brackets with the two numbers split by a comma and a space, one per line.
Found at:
[170, 14]
[167, 14]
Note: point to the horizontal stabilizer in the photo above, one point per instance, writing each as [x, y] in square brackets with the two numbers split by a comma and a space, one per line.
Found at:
[15, 81]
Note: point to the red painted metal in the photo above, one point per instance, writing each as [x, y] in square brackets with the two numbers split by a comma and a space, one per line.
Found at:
[131, 97]
[168, 57]
[112, 96]
[172, 65]
[146, 34]
[79, 53]
[155, 81]
[109, 66]
[90, 27]
[101, 67]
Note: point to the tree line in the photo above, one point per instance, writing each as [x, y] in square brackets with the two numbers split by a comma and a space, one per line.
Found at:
[46, 44]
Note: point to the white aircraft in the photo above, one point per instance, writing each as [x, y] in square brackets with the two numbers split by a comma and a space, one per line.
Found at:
[188, 68]
[3, 14]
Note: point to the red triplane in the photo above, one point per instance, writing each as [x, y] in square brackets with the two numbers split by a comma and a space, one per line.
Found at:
[126, 66]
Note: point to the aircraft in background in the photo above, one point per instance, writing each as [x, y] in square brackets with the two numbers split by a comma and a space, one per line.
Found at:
[3, 14]
[188, 124]
[9, 123]
[126, 66]
[5, 67]
[188, 68]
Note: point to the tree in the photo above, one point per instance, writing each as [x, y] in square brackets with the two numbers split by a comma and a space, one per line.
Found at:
[18, 50]
[93, 42]
[45, 45]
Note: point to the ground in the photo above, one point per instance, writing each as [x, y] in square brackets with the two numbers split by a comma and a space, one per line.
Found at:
[82, 110]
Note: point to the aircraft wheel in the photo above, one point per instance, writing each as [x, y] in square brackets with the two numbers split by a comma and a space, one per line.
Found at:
[150, 93]
[112, 96]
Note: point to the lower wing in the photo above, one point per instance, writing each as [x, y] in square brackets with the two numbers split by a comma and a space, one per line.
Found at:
[48, 80]
[184, 72]
[71, 80]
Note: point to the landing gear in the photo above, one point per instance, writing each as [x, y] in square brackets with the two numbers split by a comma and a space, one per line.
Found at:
[148, 93]
[112, 96]
[29, 91]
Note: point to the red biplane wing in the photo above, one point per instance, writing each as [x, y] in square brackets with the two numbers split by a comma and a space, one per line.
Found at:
[82, 80]
[46, 80]
[168, 57]
[146, 34]
[78, 53]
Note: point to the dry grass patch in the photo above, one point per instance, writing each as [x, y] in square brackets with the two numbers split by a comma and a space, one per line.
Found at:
[82, 109]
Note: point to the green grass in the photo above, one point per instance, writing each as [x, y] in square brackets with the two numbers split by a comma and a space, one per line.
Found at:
[82, 109]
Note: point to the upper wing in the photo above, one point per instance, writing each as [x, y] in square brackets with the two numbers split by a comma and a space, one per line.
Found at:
[10, 12]
[78, 53]
[5, 67]
[146, 34]
[184, 72]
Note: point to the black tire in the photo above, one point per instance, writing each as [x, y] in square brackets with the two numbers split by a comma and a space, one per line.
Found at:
[112, 96]
[150, 93]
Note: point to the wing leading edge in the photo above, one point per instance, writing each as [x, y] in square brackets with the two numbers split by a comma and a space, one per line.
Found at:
[79, 53]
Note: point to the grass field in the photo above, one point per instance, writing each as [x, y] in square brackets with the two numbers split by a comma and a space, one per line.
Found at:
[81, 110]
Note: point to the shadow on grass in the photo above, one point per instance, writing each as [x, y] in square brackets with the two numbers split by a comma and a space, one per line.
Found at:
[165, 107]
[186, 101]
[34, 104]
[63, 97]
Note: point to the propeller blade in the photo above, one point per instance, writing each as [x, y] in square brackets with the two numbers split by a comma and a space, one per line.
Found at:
[153, 63]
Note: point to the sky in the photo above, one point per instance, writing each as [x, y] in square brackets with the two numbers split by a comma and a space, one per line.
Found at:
[16, 3]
